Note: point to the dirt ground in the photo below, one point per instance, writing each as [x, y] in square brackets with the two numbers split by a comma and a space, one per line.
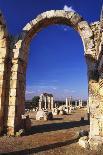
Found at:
[56, 137]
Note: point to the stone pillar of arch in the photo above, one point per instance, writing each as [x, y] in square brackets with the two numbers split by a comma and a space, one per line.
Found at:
[16, 106]
[4, 73]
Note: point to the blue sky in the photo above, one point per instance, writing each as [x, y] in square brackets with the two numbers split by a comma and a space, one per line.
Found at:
[56, 60]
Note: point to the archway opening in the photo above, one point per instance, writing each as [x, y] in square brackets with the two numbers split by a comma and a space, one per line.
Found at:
[56, 66]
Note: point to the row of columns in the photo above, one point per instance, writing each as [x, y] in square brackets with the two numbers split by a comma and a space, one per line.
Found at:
[69, 102]
[46, 102]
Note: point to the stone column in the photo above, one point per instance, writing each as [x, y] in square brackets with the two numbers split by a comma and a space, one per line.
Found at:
[52, 102]
[45, 101]
[79, 103]
[76, 104]
[66, 102]
[40, 105]
[69, 101]
[68, 107]
[49, 103]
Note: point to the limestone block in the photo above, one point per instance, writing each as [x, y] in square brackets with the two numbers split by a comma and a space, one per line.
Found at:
[69, 14]
[89, 43]
[2, 67]
[13, 100]
[2, 34]
[34, 22]
[20, 54]
[13, 83]
[75, 19]
[101, 91]
[14, 75]
[19, 43]
[16, 54]
[2, 60]
[2, 77]
[60, 13]
[15, 61]
[11, 111]
[83, 142]
[13, 92]
[27, 27]
[14, 68]
[3, 43]
[50, 14]
[3, 52]
[10, 122]
[61, 112]
[85, 29]
[94, 127]
[43, 115]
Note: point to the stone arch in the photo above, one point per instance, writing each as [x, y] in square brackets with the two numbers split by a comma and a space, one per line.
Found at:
[20, 57]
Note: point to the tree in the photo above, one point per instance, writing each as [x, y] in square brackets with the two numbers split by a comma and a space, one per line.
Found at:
[35, 101]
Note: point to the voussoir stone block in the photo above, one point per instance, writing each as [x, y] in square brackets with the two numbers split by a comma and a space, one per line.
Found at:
[85, 29]
[75, 19]
[50, 14]
[27, 27]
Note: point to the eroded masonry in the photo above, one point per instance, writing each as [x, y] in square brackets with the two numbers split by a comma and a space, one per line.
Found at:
[14, 57]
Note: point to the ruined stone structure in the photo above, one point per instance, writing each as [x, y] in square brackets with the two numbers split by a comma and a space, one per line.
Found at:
[14, 58]
[80, 103]
[46, 101]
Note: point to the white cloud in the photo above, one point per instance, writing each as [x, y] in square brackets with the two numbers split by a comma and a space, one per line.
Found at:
[29, 92]
[66, 8]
